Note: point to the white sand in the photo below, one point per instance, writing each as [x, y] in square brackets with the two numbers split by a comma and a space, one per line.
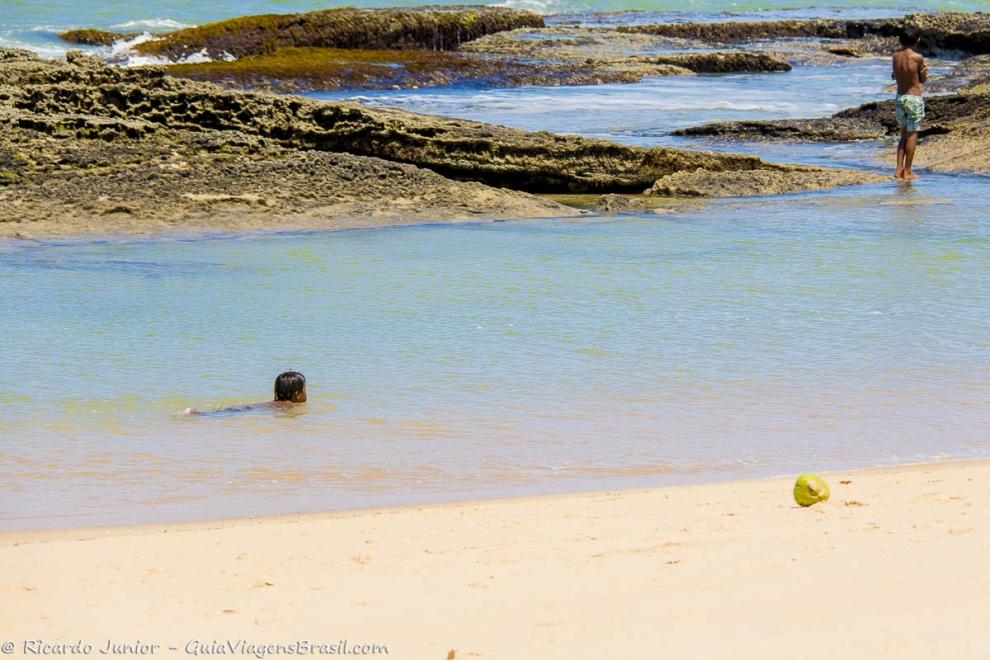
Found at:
[892, 567]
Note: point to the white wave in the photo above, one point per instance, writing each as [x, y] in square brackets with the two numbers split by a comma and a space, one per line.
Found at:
[47, 28]
[198, 58]
[123, 53]
[152, 25]
[48, 50]
[542, 7]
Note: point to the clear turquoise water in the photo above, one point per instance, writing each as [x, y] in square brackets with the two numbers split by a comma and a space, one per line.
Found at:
[745, 338]
[738, 339]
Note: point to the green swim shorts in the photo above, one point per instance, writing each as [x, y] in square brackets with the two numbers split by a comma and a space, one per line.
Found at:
[910, 111]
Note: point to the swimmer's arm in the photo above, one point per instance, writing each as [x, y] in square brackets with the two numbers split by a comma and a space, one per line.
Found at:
[192, 412]
[922, 70]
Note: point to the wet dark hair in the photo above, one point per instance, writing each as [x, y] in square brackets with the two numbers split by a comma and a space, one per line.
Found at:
[288, 384]
[909, 36]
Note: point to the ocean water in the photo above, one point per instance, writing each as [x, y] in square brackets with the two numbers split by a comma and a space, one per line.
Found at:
[739, 339]
[644, 113]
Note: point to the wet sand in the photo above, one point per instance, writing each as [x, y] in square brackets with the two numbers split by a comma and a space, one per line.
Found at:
[890, 567]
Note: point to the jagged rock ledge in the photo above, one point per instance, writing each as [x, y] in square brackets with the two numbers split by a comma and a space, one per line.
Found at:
[415, 47]
[967, 33]
[431, 28]
[80, 139]
[94, 37]
[870, 121]
[303, 69]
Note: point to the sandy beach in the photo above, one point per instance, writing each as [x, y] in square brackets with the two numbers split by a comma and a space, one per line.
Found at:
[888, 568]
[711, 276]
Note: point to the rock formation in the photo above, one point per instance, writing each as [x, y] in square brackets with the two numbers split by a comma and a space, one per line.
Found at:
[369, 29]
[967, 33]
[80, 134]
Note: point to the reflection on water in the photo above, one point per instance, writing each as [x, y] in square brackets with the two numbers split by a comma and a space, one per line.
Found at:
[740, 338]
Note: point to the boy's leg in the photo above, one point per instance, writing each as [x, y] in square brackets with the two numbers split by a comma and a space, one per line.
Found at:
[909, 146]
[901, 147]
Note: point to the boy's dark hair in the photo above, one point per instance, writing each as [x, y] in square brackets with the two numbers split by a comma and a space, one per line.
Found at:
[288, 384]
[909, 36]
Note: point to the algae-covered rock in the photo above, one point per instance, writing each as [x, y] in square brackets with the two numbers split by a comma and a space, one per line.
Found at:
[940, 32]
[740, 31]
[94, 37]
[610, 47]
[369, 29]
[826, 129]
[301, 69]
[617, 203]
[810, 489]
[953, 31]
[756, 182]
[725, 62]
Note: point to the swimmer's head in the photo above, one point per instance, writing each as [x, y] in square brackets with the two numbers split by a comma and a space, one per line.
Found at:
[290, 386]
[909, 36]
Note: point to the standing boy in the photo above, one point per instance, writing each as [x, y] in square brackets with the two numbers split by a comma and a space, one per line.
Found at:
[910, 71]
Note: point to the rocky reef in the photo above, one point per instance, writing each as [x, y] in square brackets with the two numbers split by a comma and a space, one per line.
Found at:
[93, 37]
[367, 29]
[500, 47]
[705, 183]
[418, 47]
[100, 172]
[740, 31]
[611, 47]
[81, 135]
[576, 44]
[967, 33]
[302, 69]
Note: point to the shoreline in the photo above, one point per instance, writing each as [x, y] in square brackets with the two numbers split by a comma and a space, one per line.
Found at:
[574, 208]
[45, 534]
[890, 560]
[237, 225]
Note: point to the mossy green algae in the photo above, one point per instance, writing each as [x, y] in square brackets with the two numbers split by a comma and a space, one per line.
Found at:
[371, 29]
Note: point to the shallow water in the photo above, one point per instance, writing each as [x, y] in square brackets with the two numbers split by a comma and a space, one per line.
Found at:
[744, 338]
[643, 113]
[737, 339]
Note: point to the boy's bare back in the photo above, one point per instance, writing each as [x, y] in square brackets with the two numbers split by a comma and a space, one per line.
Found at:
[910, 71]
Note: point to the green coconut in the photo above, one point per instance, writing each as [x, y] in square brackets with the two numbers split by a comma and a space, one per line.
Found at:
[809, 489]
